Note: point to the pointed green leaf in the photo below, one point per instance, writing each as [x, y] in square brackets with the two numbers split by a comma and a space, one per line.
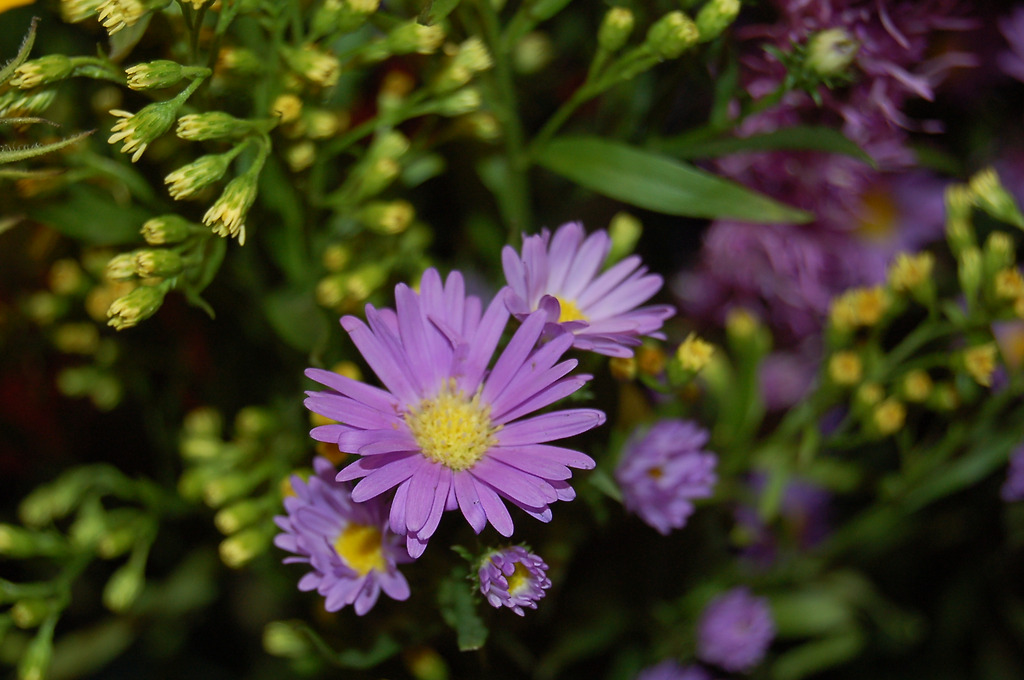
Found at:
[23, 52]
[458, 609]
[90, 214]
[798, 138]
[12, 155]
[648, 180]
[438, 10]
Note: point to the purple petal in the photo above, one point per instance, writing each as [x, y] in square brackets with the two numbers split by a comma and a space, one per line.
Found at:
[550, 426]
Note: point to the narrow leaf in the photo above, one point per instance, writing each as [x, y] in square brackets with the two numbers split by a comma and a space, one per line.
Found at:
[458, 609]
[23, 52]
[438, 10]
[797, 138]
[12, 155]
[658, 183]
[90, 214]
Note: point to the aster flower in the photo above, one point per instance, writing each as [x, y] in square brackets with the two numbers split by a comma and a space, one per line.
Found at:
[1013, 487]
[669, 669]
[556, 274]
[445, 432]
[735, 630]
[663, 470]
[513, 577]
[352, 553]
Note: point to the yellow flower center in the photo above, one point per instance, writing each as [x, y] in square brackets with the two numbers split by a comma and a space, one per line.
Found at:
[451, 429]
[879, 215]
[519, 579]
[359, 545]
[569, 311]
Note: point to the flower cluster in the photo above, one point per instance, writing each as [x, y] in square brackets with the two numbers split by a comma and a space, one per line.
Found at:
[456, 428]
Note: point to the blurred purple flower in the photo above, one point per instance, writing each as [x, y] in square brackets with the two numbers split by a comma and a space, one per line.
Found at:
[663, 470]
[1013, 487]
[352, 553]
[1012, 28]
[447, 433]
[735, 630]
[669, 669]
[558, 274]
[786, 377]
[803, 519]
[513, 578]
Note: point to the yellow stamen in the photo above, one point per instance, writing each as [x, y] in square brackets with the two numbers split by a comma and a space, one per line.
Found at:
[519, 579]
[360, 546]
[451, 429]
[569, 311]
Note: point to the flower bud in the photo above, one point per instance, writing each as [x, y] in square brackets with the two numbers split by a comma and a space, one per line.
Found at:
[694, 353]
[916, 386]
[138, 305]
[970, 272]
[715, 17]
[672, 35]
[167, 230]
[116, 15]
[137, 130]
[624, 230]
[76, 11]
[999, 252]
[239, 549]
[76, 338]
[42, 71]
[154, 74]
[387, 217]
[622, 369]
[472, 57]
[1008, 284]
[158, 263]
[239, 515]
[30, 612]
[121, 267]
[910, 273]
[959, 232]
[35, 661]
[192, 178]
[980, 361]
[20, 543]
[993, 198]
[314, 64]
[532, 53]
[280, 638]
[226, 217]
[124, 586]
[830, 52]
[196, 127]
[889, 416]
[845, 368]
[462, 101]
[413, 36]
[615, 29]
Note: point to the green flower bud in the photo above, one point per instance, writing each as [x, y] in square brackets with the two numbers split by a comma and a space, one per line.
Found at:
[993, 198]
[624, 230]
[314, 64]
[226, 217]
[154, 74]
[49, 69]
[459, 102]
[281, 638]
[124, 586]
[239, 515]
[472, 57]
[387, 217]
[138, 305]
[121, 267]
[715, 17]
[158, 263]
[166, 230]
[30, 612]
[413, 36]
[830, 52]
[672, 35]
[137, 130]
[615, 29]
[970, 272]
[35, 661]
[116, 15]
[75, 11]
[192, 178]
[15, 103]
[211, 125]
[239, 549]
[19, 543]
[999, 253]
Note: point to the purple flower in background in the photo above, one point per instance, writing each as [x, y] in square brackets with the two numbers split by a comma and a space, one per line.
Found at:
[446, 433]
[1012, 28]
[735, 630]
[669, 669]
[802, 519]
[663, 470]
[1013, 487]
[513, 578]
[559, 275]
[352, 553]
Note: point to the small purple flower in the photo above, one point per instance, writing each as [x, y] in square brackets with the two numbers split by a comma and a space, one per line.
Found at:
[352, 553]
[663, 470]
[446, 433]
[735, 630]
[558, 274]
[669, 669]
[513, 578]
[1013, 487]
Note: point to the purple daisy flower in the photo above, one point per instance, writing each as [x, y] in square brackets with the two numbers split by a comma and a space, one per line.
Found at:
[513, 578]
[735, 630]
[348, 545]
[446, 433]
[558, 275]
[670, 669]
[1013, 487]
[663, 470]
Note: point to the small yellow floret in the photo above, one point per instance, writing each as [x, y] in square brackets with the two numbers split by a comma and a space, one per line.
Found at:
[568, 311]
[889, 416]
[519, 579]
[909, 272]
[845, 368]
[980, 362]
[1009, 284]
[694, 353]
[917, 386]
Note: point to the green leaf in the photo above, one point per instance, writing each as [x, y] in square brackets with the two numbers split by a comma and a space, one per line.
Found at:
[438, 10]
[12, 155]
[26, 47]
[384, 647]
[90, 214]
[297, 319]
[658, 183]
[798, 138]
[458, 609]
[818, 655]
